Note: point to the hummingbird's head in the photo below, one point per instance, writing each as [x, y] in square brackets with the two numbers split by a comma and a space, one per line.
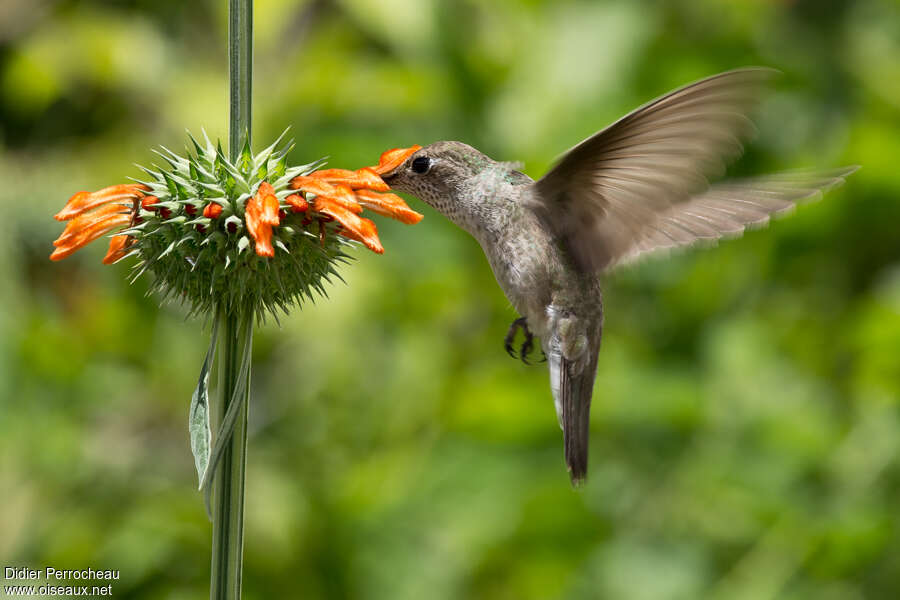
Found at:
[456, 179]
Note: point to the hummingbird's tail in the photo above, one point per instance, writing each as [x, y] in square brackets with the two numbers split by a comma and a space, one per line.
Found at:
[572, 382]
[575, 399]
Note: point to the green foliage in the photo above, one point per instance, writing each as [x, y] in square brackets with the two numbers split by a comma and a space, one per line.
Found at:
[198, 416]
[746, 428]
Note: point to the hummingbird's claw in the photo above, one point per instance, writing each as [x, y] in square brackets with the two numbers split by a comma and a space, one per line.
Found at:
[527, 345]
[511, 335]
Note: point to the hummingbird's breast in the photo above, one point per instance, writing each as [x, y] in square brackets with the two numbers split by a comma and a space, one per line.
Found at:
[526, 263]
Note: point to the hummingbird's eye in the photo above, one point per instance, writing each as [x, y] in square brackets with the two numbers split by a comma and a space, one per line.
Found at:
[421, 164]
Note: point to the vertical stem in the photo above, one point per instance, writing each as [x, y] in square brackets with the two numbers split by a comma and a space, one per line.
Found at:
[228, 490]
[235, 329]
[240, 72]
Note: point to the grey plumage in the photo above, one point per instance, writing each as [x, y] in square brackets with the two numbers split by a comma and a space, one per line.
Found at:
[637, 187]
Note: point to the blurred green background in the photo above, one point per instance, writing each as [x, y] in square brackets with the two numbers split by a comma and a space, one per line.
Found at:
[745, 429]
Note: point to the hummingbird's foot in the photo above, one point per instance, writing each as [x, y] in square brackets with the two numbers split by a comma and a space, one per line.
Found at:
[511, 335]
[527, 345]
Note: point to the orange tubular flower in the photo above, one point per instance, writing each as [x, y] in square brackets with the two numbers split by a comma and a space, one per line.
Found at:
[118, 247]
[342, 194]
[339, 194]
[365, 178]
[88, 231]
[94, 214]
[388, 205]
[148, 202]
[355, 227]
[297, 203]
[391, 159]
[212, 211]
[262, 215]
[82, 202]
[370, 180]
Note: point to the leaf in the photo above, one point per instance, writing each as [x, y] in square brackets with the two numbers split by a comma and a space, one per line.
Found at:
[245, 160]
[198, 420]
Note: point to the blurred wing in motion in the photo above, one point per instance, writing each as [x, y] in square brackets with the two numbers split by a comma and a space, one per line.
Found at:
[726, 209]
[606, 190]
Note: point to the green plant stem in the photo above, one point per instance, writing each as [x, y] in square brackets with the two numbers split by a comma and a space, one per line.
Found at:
[240, 73]
[228, 484]
[236, 332]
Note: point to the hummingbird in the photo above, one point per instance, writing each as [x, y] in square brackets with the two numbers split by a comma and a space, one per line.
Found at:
[639, 186]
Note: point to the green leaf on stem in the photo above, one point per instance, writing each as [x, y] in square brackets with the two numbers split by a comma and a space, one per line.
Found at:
[198, 420]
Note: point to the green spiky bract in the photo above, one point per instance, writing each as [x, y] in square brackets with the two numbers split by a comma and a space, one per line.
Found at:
[207, 262]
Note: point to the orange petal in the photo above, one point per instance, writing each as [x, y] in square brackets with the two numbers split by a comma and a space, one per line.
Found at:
[341, 194]
[264, 243]
[270, 214]
[391, 159]
[369, 179]
[344, 196]
[298, 203]
[212, 210]
[362, 178]
[261, 214]
[87, 234]
[85, 201]
[333, 176]
[86, 220]
[355, 227]
[265, 189]
[388, 205]
[118, 247]
[312, 185]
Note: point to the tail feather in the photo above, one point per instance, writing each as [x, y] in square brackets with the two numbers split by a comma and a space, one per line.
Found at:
[572, 348]
[575, 389]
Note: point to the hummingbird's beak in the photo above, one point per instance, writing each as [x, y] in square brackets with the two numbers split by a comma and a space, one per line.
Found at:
[390, 175]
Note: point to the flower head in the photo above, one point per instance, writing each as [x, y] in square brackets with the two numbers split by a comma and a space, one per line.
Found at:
[249, 232]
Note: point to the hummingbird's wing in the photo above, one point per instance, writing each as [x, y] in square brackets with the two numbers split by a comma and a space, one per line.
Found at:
[603, 194]
[726, 209]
